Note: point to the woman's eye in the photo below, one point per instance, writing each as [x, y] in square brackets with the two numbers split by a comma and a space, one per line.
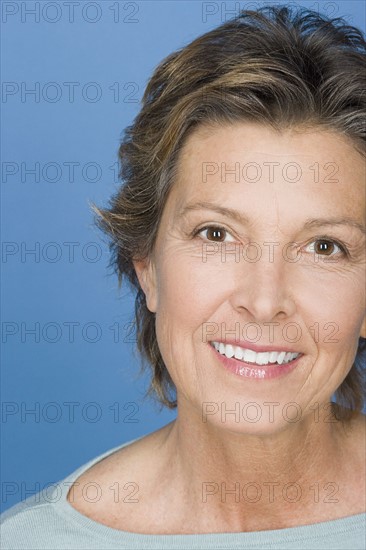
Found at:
[326, 247]
[214, 233]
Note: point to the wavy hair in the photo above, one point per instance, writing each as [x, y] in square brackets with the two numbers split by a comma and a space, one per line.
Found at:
[280, 66]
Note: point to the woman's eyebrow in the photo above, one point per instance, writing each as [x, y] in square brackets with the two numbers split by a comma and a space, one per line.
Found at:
[230, 212]
[243, 219]
[315, 222]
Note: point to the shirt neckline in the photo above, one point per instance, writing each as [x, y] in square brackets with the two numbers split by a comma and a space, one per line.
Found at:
[229, 540]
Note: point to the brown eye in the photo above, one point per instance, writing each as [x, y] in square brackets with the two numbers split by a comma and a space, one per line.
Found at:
[327, 247]
[216, 233]
[324, 247]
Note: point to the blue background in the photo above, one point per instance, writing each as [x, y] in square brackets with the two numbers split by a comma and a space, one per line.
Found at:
[108, 49]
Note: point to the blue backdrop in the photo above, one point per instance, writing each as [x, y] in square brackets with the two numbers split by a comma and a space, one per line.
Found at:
[73, 74]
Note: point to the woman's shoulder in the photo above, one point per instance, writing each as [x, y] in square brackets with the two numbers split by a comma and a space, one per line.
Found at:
[111, 490]
[33, 522]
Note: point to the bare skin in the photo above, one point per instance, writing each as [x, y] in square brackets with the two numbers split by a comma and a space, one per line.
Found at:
[285, 473]
[170, 495]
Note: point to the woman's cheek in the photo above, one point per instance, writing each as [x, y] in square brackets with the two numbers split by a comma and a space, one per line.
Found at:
[187, 280]
[328, 323]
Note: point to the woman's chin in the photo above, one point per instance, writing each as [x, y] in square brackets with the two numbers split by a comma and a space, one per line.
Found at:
[252, 417]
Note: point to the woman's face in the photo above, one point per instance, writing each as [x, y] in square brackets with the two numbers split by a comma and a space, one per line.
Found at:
[271, 271]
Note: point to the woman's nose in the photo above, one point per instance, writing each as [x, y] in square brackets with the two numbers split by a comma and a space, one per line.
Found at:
[264, 288]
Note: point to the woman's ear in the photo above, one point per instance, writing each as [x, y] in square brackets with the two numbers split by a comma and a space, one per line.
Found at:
[146, 274]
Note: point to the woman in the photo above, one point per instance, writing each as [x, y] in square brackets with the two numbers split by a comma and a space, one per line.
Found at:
[241, 225]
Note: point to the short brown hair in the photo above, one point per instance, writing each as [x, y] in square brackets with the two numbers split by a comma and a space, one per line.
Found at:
[280, 66]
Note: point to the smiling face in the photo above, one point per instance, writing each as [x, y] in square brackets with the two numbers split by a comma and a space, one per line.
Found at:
[299, 285]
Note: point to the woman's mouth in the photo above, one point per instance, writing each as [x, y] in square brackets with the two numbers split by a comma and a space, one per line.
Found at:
[249, 364]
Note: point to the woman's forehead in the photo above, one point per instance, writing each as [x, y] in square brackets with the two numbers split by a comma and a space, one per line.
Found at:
[249, 141]
[314, 172]
[254, 156]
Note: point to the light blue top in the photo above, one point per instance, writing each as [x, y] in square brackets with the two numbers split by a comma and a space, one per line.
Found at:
[47, 521]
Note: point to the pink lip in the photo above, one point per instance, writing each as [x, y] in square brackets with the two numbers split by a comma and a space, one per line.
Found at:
[253, 371]
[255, 347]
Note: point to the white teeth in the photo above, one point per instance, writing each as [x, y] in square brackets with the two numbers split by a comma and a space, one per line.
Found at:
[262, 359]
[281, 357]
[250, 356]
[238, 353]
[273, 356]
